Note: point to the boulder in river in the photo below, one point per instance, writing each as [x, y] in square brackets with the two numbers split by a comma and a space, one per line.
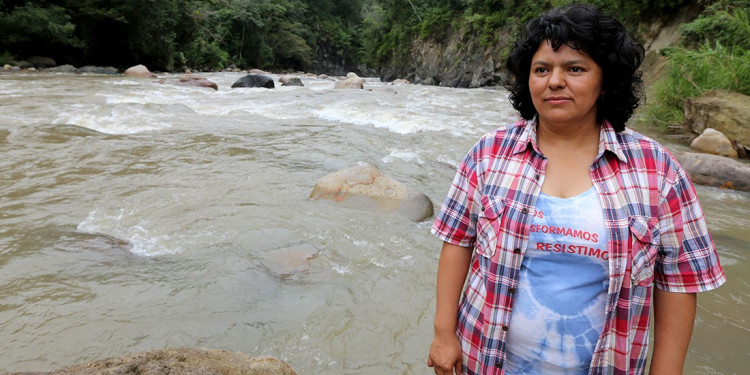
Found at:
[713, 170]
[712, 141]
[183, 361]
[98, 69]
[139, 71]
[725, 111]
[254, 80]
[192, 80]
[352, 81]
[287, 80]
[367, 181]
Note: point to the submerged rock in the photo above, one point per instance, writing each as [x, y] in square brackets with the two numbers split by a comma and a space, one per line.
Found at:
[183, 361]
[67, 68]
[192, 80]
[367, 181]
[289, 261]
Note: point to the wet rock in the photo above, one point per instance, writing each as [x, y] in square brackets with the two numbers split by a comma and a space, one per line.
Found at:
[712, 141]
[98, 69]
[139, 71]
[725, 111]
[287, 80]
[713, 170]
[254, 80]
[367, 181]
[183, 361]
[352, 81]
[258, 71]
[192, 80]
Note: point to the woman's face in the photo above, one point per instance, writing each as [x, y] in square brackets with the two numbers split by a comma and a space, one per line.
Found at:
[564, 85]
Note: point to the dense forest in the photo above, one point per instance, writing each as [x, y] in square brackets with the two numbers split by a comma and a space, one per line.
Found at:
[337, 36]
[311, 35]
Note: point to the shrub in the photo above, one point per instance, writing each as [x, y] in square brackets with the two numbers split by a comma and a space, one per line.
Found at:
[692, 72]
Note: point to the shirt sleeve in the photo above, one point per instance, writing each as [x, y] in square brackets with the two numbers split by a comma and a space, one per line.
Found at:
[456, 221]
[687, 260]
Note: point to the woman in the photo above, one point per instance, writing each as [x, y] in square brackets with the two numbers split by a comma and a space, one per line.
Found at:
[568, 224]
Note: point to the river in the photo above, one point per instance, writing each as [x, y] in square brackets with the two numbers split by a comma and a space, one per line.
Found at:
[137, 216]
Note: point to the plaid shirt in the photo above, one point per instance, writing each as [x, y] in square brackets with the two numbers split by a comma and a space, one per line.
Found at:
[656, 227]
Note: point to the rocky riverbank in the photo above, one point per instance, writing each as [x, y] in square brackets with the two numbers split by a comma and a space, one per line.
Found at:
[183, 361]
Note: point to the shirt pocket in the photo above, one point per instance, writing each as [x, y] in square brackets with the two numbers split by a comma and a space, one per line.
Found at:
[644, 246]
[488, 225]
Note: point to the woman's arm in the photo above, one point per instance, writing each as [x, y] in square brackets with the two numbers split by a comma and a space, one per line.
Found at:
[445, 352]
[674, 315]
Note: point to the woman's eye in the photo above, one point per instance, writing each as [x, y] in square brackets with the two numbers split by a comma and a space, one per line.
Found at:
[540, 70]
[576, 69]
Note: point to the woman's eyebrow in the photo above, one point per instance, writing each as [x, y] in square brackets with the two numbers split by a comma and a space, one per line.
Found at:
[569, 62]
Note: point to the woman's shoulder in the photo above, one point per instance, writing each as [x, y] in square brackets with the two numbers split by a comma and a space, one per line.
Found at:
[506, 135]
[640, 148]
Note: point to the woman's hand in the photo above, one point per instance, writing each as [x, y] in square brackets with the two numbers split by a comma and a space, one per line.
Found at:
[445, 354]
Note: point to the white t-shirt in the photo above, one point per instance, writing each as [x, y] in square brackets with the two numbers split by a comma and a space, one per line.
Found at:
[558, 312]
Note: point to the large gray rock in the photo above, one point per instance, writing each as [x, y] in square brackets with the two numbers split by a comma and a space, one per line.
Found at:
[727, 112]
[713, 170]
[185, 361]
[367, 181]
[254, 80]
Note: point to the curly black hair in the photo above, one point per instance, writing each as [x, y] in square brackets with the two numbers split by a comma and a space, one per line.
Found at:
[604, 39]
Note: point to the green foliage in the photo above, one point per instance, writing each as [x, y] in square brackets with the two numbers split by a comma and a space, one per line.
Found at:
[31, 23]
[6, 58]
[692, 72]
[720, 61]
[301, 34]
[725, 22]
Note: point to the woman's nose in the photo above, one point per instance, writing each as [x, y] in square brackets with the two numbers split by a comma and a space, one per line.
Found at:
[556, 79]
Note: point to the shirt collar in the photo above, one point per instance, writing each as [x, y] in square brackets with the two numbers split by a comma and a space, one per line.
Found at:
[528, 136]
[607, 139]
[608, 142]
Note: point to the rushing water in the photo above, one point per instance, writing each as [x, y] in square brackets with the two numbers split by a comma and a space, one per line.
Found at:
[138, 216]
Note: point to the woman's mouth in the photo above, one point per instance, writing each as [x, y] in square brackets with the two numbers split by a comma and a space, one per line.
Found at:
[557, 100]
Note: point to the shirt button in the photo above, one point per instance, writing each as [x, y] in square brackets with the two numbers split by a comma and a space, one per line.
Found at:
[536, 177]
[511, 290]
[525, 211]
[505, 328]
[499, 364]
[517, 251]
